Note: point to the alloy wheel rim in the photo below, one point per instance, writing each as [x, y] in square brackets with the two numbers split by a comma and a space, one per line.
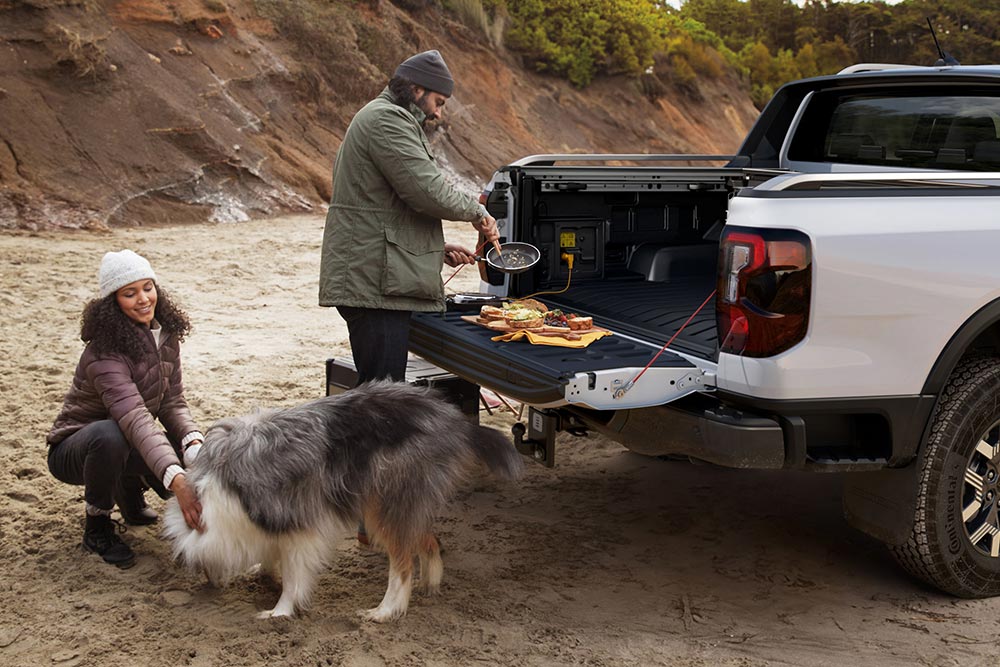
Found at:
[981, 494]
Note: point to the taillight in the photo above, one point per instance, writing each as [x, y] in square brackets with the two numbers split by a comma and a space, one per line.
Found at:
[764, 284]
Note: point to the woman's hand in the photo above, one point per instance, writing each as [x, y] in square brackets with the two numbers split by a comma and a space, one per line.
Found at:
[455, 255]
[191, 452]
[188, 500]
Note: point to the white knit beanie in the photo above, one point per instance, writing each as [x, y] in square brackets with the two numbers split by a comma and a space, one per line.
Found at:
[118, 269]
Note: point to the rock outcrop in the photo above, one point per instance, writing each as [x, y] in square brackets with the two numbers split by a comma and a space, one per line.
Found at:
[137, 111]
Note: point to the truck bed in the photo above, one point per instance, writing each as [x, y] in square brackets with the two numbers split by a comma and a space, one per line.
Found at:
[652, 311]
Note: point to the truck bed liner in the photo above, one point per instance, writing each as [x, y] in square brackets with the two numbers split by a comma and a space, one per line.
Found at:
[535, 374]
[651, 311]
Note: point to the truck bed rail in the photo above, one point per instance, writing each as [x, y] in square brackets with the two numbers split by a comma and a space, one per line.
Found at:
[549, 159]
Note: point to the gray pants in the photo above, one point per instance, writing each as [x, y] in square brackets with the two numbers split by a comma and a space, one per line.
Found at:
[99, 457]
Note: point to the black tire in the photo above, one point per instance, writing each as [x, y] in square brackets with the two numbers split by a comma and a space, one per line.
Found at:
[955, 541]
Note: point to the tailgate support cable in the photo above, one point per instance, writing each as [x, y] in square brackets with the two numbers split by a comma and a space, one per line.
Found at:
[621, 391]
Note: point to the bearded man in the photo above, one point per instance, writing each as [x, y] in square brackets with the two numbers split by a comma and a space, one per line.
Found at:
[383, 245]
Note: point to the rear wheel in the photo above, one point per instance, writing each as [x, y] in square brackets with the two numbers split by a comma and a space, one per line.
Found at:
[955, 541]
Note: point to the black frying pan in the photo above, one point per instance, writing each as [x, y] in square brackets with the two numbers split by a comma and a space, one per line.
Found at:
[514, 257]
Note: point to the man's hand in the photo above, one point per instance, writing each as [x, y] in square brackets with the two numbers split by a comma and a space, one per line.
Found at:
[456, 255]
[188, 500]
[487, 226]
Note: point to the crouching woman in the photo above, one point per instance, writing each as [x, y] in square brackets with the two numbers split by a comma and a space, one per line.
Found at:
[129, 376]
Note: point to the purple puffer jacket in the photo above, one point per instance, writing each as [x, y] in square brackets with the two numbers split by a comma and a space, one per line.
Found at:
[133, 393]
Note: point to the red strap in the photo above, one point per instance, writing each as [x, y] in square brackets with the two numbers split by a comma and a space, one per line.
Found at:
[667, 344]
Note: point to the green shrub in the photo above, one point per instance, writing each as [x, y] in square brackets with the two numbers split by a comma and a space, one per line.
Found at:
[699, 57]
[580, 39]
[682, 74]
[760, 95]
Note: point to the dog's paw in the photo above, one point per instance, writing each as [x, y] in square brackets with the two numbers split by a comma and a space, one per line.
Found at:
[428, 588]
[380, 615]
[275, 613]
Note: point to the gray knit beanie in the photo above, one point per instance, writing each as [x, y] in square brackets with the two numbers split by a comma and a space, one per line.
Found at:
[118, 269]
[427, 70]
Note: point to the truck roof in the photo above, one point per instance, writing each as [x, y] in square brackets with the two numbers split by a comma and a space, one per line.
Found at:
[894, 72]
[861, 68]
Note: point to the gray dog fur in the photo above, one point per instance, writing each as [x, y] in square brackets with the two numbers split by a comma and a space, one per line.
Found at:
[389, 453]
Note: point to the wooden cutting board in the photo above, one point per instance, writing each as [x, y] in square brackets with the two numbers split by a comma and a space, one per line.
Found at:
[500, 326]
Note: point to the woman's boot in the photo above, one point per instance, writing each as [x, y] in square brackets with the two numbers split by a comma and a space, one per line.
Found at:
[101, 537]
[131, 500]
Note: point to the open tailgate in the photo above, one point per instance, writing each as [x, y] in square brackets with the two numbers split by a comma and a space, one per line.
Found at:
[549, 376]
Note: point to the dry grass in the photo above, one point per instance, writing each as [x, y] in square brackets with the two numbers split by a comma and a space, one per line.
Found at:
[86, 55]
[471, 13]
[88, 5]
[680, 67]
[474, 15]
[329, 33]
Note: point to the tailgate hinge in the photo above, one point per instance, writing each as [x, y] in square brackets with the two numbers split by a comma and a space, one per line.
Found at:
[611, 389]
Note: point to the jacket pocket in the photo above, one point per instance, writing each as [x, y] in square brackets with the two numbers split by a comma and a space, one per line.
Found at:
[412, 265]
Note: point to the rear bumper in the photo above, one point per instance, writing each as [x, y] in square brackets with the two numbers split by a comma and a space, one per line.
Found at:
[709, 433]
[736, 440]
[846, 435]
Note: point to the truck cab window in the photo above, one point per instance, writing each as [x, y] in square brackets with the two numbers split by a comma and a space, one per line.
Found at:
[908, 130]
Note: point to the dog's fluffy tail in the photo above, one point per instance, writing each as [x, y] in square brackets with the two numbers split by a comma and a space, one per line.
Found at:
[495, 450]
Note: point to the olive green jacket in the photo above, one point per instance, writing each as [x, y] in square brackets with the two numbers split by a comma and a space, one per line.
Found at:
[383, 246]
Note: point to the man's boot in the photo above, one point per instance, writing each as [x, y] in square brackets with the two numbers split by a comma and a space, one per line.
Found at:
[100, 536]
[131, 501]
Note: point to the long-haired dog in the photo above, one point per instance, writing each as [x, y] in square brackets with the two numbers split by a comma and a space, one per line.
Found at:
[278, 487]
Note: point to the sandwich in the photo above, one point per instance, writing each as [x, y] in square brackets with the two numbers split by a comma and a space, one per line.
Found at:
[491, 313]
[531, 304]
[524, 318]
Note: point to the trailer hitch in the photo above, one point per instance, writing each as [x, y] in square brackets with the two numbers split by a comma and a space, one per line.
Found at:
[538, 439]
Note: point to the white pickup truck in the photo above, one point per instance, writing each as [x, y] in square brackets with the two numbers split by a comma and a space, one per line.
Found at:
[844, 264]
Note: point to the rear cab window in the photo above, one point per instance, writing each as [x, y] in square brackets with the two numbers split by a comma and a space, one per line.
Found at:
[912, 128]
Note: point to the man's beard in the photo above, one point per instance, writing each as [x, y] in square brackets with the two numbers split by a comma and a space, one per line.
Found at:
[423, 103]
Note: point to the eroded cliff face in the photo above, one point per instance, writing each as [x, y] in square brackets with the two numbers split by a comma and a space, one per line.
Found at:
[140, 112]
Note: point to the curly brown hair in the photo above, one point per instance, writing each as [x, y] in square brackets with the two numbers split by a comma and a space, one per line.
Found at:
[104, 325]
[402, 89]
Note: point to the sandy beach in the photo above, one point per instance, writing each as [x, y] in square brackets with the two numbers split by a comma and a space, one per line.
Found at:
[608, 559]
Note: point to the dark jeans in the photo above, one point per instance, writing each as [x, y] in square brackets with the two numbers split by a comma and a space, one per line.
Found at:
[97, 456]
[379, 342]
